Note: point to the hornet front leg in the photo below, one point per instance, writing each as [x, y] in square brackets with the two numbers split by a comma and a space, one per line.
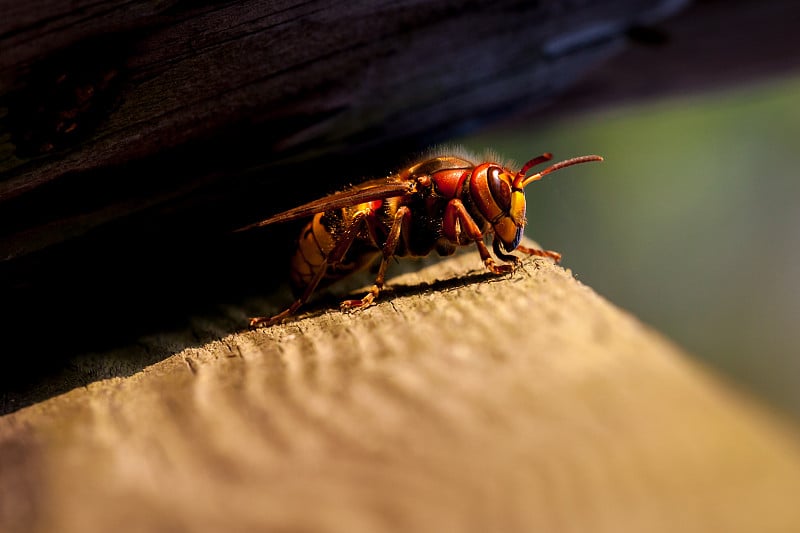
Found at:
[555, 256]
[457, 219]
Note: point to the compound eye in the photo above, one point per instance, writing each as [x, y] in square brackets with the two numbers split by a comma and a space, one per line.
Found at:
[500, 188]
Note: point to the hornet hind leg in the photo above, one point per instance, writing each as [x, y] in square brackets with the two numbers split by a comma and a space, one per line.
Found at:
[399, 228]
[341, 247]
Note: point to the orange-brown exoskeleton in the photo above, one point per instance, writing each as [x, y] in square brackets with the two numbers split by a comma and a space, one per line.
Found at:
[437, 204]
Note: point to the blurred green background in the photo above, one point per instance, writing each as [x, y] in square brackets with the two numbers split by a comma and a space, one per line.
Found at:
[692, 223]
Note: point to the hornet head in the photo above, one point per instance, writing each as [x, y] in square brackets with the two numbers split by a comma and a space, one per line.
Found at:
[499, 195]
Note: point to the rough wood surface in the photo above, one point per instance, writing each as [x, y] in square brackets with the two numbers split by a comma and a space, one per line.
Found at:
[460, 402]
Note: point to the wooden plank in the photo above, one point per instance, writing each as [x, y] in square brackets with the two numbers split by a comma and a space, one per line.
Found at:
[460, 402]
[166, 99]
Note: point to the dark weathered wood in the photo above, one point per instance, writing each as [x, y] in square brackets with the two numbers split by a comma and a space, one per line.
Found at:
[166, 99]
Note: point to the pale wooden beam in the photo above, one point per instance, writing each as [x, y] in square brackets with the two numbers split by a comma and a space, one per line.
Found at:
[460, 402]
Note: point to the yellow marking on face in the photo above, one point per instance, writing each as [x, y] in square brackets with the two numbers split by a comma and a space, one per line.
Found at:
[518, 207]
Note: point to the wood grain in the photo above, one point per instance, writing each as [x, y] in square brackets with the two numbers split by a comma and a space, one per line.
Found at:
[172, 101]
[460, 402]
